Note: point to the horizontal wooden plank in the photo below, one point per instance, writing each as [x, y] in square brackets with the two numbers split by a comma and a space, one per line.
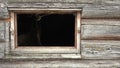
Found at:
[43, 5]
[4, 13]
[42, 56]
[100, 32]
[3, 9]
[110, 42]
[66, 1]
[100, 22]
[25, 63]
[101, 11]
[102, 49]
[111, 2]
[46, 50]
[89, 10]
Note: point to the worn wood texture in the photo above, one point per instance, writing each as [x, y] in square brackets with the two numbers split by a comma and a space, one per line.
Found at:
[3, 13]
[2, 50]
[3, 39]
[14, 55]
[43, 5]
[111, 2]
[100, 35]
[61, 1]
[88, 10]
[101, 29]
[100, 38]
[101, 11]
[100, 49]
[114, 22]
[59, 63]
[3, 10]
[103, 2]
[7, 37]
[2, 36]
[2, 31]
[100, 32]
[1, 47]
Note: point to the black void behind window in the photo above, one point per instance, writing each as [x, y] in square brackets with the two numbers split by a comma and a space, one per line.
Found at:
[45, 29]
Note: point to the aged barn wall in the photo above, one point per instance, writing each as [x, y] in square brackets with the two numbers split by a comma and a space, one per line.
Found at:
[3, 27]
[100, 34]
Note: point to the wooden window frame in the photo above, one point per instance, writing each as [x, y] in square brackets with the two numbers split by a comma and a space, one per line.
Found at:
[41, 49]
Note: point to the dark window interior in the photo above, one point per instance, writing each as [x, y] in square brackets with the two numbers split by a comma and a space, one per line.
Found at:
[45, 29]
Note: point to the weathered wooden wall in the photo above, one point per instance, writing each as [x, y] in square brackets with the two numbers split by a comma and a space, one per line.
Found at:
[100, 32]
[60, 63]
[100, 38]
[3, 24]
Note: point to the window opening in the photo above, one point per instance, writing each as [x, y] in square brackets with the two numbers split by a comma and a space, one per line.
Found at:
[45, 29]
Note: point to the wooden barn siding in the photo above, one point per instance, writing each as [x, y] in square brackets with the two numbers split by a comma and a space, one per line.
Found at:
[4, 15]
[100, 33]
[36, 63]
[100, 22]
[2, 39]
[109, 2]
[101, 29]
[101, 11]
[100, 38]
[52, 1]
[88, 10]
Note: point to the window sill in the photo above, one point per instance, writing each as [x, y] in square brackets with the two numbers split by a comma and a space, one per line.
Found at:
[43, 56]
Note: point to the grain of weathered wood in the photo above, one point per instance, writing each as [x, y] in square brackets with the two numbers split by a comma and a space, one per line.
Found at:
[2, 35]
[103, 32]
[93, 29]
[43, 6]
[3, 11]
[111, 2]
[7, 38]
[19, 55]
[2, 25]
[2, 47]
[100, 22]
[101, 11]
[2, 44]
[2, 31]
[89, 10]
[100, 49]
[1, 54]
[24, 63]
[62, 1]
